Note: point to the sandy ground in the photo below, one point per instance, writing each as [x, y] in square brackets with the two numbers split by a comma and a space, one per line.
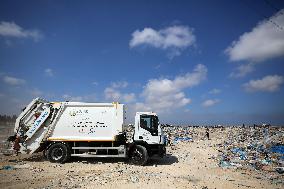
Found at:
[187, 165]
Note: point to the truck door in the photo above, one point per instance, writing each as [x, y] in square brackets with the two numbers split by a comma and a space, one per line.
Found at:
[148, 130]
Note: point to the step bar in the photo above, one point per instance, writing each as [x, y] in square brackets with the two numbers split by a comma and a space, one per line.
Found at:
[120, 149]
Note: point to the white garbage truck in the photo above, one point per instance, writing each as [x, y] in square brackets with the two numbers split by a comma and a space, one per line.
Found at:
[64, 129]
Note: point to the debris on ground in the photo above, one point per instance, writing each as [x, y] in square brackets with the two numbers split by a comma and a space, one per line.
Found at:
[8, 167]
[234, 157]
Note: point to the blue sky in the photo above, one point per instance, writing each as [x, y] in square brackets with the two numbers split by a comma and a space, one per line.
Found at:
[193, 62]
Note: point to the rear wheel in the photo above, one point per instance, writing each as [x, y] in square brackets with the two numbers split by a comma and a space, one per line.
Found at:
[139, 155]
[58, 153]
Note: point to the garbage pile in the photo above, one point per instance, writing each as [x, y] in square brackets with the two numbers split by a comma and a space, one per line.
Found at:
[176, 134]
[260, 148]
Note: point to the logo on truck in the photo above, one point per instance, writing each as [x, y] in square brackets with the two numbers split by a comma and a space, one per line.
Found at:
[38, 122]
[78, 112]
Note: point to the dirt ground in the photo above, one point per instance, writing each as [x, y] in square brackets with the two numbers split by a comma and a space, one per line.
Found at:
[186, 165]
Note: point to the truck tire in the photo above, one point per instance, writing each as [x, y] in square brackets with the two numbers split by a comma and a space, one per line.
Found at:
[58, 153]
[139, 155]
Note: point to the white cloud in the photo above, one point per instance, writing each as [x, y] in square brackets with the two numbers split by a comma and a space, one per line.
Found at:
[265, 41]
[84, 98]
[210, 102]
[49, 72]
[270, 83]
[129, 97]
[164, 94]
[242, 70]
[95, 83]
[119, 84]
[215, 91]
[175, 38]
[13, 80]
[113, 93]
[10, 29]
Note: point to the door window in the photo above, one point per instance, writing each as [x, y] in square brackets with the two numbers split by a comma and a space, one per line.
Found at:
[149, 123]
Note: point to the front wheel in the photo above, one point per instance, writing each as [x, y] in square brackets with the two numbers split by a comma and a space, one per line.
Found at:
[139, 155]
[58, 153]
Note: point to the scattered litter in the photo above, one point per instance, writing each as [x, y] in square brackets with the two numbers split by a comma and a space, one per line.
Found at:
[134, 179]
[8, 167]
[277, 149]
[13, 160]
[240, 152]
[225, 164]
[279, 170]
[182, 139]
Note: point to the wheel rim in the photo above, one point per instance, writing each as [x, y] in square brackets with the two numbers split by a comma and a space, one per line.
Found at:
[57, 154]
[137, 155]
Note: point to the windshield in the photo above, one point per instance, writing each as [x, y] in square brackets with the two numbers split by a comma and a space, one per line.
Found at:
[149, 123]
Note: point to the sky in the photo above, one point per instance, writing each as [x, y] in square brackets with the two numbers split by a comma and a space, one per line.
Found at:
[193, 62]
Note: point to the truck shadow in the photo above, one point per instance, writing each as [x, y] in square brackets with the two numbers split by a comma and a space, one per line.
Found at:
[166, 160]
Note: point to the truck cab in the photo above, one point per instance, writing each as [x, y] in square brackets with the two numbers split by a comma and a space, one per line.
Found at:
[148, 137]
[148, 129]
